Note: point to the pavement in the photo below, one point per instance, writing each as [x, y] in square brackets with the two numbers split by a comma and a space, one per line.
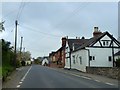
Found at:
[15, 77]
[97, 78]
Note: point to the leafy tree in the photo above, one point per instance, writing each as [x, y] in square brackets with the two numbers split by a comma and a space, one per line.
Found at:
[26, 56]
[7, 58]
[36, 61]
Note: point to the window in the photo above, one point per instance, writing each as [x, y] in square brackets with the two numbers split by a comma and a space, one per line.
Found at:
[77, 59]
[104, 43]
[107, 43]
[80, 59]
[92, 58]
[73, 59]
[110, 58]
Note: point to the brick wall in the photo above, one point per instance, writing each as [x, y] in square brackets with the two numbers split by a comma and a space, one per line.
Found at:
[112, 72]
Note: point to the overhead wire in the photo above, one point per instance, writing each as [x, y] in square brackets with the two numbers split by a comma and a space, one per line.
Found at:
[21, 7]
[38, 31]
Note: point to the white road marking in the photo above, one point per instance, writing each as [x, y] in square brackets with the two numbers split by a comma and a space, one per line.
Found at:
[97, 80]
[86, 77]
[18, 86]
[109, 83]
[26, 74]
[20, 82]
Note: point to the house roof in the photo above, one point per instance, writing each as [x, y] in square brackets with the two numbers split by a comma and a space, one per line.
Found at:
[117, 54]
[77, 42]
[61, 48]
[93, 40]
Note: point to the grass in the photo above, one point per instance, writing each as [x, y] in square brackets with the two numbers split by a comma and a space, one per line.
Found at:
[6, 70]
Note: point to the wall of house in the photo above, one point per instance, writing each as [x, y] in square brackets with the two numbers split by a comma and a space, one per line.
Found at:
[79, 60]
[67, 55]
[101, 57]
[63, 57]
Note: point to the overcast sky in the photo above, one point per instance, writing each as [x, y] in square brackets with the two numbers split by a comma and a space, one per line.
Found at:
[43, 24]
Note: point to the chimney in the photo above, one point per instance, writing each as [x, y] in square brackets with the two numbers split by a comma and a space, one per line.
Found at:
[63, 41]
[96, 32]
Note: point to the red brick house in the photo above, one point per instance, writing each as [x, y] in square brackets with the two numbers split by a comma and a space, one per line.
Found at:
[59, 56]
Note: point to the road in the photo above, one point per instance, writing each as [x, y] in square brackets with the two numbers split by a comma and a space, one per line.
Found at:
[44, 77]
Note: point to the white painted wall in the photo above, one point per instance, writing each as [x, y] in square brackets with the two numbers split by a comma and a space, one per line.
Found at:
[84, 57]
[101, 57]
[45, 61]
[67, 60]
[27, 62]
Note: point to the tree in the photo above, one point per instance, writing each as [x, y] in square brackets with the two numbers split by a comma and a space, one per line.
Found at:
[36, 61]
[26, 55]
[7, 53]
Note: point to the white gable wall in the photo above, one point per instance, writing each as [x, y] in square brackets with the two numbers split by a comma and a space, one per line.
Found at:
[67, 60]
[77, 63]
[107, 38]
[101, 57]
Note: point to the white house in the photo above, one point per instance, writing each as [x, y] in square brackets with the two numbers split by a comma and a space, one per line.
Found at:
[45, 62]
[97, 51]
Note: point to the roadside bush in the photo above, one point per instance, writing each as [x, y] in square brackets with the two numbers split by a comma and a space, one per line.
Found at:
[118, 62]
[6, 71]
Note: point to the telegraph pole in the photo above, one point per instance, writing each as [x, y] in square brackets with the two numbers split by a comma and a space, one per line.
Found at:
[15, 56]
[21, 48]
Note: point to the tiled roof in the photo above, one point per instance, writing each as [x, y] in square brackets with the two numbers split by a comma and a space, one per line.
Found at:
[77, 42]
[93, 40]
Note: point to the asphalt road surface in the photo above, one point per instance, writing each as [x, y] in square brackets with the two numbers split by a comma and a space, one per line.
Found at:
[44, 77]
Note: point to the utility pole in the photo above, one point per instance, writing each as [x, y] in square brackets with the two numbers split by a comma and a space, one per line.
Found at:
[21, 48]
[15, 56]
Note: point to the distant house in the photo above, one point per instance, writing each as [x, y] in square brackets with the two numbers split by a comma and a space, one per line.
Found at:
[52, 56]
[45, 62]
[58, 57]
[97, 51]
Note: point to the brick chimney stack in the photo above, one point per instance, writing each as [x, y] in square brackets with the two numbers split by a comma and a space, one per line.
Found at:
[64, 41]
[96, 32]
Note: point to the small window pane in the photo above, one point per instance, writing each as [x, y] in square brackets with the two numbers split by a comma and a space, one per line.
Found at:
[93, 57]
[90, 58]
[110, 58]
[80, 60]
[104, 43]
